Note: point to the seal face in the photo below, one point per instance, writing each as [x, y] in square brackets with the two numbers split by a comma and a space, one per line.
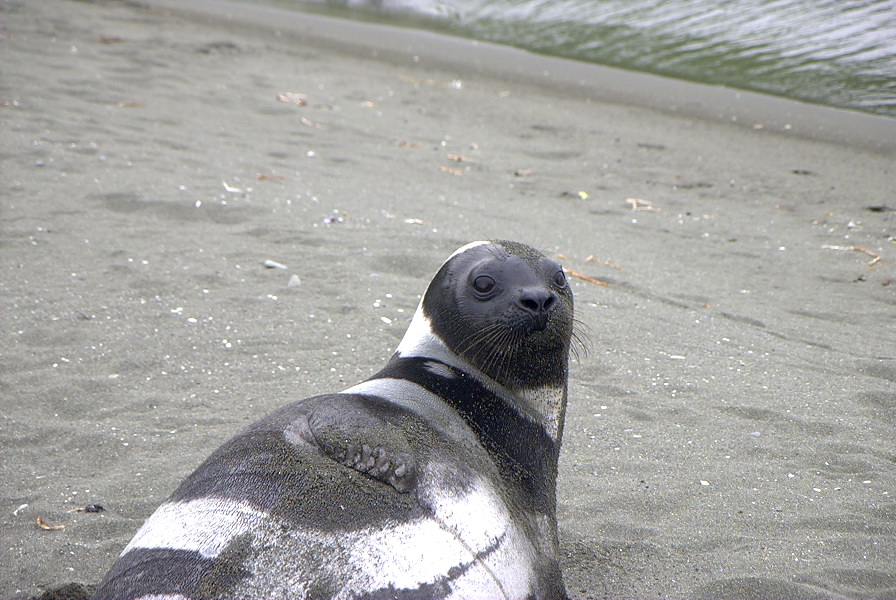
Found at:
[436, 478]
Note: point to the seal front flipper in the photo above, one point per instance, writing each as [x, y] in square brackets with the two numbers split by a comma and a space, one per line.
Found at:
[348, 430]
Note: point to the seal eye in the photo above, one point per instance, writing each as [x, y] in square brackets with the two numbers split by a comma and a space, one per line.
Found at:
[560, 279]
[483, 284]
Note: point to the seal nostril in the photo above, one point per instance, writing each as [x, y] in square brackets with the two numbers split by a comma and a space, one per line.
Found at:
[530, 304]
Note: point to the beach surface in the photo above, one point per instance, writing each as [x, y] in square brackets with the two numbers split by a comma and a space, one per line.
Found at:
[203, 220]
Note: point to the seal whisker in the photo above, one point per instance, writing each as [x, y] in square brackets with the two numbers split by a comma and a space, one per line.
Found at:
[482, 337]
[580, 340]
[500, 350]
[499, 343]
[511, 342]
[508, 357]
[474, 336]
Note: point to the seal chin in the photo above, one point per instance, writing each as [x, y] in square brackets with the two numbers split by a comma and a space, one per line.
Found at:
[538, 323]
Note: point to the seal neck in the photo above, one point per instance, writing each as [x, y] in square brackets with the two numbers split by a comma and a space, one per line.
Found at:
[544, 406]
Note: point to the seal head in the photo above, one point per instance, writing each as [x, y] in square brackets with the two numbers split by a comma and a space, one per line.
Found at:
[506, 310]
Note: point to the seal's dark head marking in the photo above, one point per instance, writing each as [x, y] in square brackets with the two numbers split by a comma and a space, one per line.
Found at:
[507, 310]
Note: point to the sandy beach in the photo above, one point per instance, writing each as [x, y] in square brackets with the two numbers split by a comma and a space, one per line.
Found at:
[203, 220]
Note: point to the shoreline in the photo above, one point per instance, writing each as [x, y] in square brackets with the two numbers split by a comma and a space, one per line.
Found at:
[596, 83]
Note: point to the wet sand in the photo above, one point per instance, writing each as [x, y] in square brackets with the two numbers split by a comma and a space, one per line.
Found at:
[730, 432]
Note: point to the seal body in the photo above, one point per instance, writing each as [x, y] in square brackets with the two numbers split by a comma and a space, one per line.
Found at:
[433, 479]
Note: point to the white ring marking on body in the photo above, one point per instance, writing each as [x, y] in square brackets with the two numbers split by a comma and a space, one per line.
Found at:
[421, 402]
[203, 525]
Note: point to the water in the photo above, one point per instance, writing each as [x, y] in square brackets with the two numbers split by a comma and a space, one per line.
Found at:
[836, 52]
